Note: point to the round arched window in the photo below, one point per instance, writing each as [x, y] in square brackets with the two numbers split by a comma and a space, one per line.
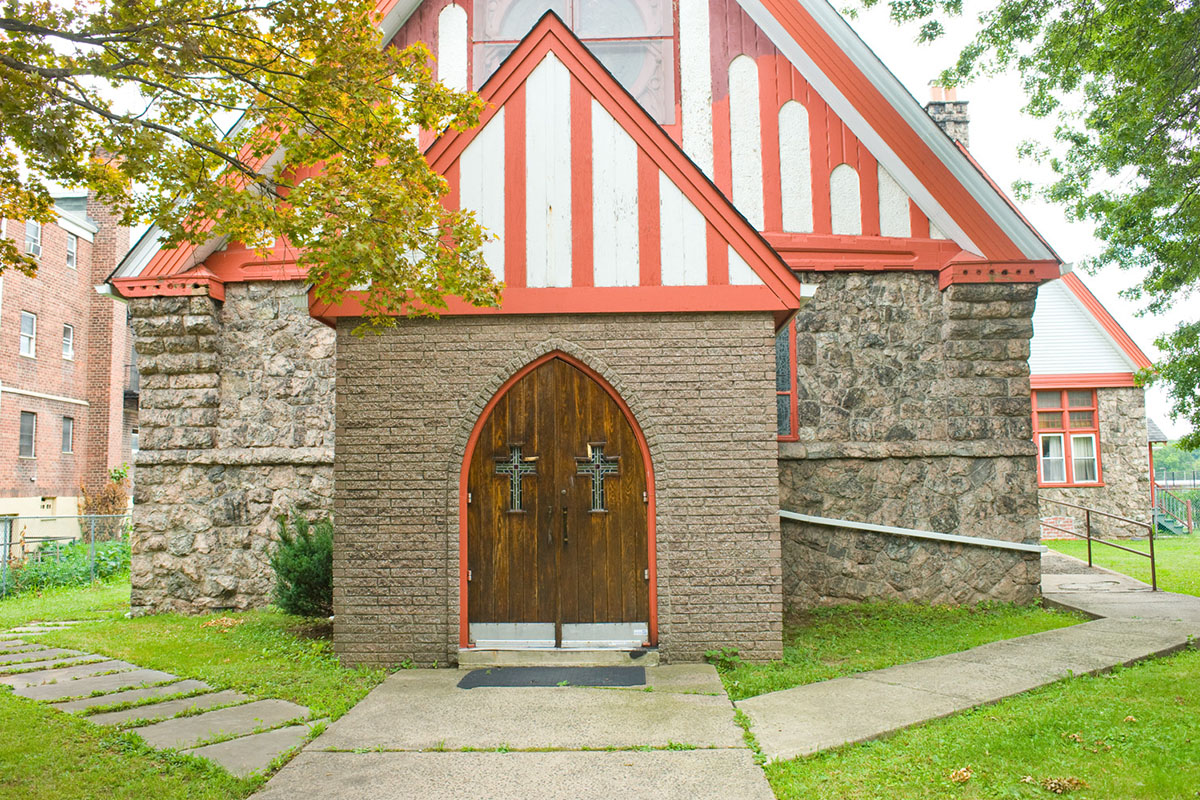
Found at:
[631, 38]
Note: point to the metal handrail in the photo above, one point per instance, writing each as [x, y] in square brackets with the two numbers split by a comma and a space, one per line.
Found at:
[1087, 525]
[1173, 506]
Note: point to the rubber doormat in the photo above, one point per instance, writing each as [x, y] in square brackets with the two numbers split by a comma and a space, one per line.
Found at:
[554, 676]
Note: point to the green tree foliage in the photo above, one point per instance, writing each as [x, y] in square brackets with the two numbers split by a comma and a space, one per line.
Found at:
[1122, 79]
[137, 100]
[303, 565]
[1171, 458]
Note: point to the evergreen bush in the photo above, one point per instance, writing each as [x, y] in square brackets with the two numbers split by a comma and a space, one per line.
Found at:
[303, 565]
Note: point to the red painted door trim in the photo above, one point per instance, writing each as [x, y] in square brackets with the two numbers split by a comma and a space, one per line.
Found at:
[643, 446]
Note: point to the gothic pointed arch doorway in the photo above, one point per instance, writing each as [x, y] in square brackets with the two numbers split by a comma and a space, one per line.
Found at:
[558, 547]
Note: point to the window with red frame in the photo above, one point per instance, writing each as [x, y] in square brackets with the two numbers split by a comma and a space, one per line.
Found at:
[785, 382]
[1066, 428]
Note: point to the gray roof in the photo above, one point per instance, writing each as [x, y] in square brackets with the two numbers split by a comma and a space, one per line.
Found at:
[1154, 433]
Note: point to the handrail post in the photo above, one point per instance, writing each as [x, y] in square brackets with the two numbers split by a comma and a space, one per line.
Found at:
[1189, 516]
[1153, 570]
[1087, 527]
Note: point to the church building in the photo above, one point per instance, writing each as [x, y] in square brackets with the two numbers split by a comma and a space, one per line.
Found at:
[745, 272]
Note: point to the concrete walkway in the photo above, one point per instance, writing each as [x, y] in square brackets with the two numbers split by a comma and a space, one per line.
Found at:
[240, 734]
[420, 736]
[1130, 623]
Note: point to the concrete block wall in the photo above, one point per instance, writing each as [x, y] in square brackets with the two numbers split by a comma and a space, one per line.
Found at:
[699, 385]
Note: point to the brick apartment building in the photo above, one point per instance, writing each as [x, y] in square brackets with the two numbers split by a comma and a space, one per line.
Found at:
[68, 395]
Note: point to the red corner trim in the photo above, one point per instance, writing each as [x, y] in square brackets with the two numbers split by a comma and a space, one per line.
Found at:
[1110, 325]
[1090, 380]
[198, 282]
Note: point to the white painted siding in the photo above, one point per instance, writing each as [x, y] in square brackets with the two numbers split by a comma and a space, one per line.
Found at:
[452, 47]
[481, 187]
[894, 219]
[795, 168]
[614, 202]
[740, 273]
[548, 175]
[695, 81]
[684, 237]
[845, 201]
[745, 138]
[1067, 340]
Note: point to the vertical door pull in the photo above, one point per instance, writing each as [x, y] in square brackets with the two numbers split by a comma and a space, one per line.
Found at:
[564, 509]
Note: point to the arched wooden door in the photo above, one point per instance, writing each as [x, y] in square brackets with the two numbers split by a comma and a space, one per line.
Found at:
[557, 550]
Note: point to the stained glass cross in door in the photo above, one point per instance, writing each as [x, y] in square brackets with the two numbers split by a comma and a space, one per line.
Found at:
[516, 467]
[597, 467]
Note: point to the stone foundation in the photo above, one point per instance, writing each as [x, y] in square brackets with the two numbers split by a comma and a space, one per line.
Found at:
[1124, 470]
[915, 412]
[236, 429]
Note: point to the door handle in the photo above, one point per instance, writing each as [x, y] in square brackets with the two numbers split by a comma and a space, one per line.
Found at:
[564, 517]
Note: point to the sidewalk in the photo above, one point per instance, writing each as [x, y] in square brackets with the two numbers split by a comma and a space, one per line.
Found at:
[1131, 623]
[419, 735]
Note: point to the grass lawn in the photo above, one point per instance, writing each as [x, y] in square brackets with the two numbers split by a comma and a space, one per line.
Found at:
[1177, 559]
[263, 653]
[841, 640]
[1078, 728]
[49, 755]
[108, 600]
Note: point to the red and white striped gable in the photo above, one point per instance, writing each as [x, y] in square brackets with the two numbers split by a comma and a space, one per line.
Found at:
[592, 206]
[777, 105]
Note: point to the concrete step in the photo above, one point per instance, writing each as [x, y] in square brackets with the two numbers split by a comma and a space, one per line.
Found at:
[480, 658]
[254, 753]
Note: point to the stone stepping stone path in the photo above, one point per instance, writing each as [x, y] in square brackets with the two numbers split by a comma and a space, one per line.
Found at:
[241, 734]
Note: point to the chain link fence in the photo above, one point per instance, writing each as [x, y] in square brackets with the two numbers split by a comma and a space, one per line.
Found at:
[61, 550]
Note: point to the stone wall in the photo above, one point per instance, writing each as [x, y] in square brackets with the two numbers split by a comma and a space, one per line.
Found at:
[699, 386]
[914, 412]
[1124, 469]
[236, 428]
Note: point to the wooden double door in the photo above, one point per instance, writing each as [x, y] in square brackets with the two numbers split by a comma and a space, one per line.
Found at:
[557, 518]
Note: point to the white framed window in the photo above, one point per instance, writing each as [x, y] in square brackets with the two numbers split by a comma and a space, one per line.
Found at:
[1053, 461]
[68, 435]
[33, 238]
[1083, 458]
[28, 438]
[133, 440]
[28, 346]
[72, 250]
[69, 342]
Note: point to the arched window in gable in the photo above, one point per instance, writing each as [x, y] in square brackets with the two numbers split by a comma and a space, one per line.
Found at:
[633, 39]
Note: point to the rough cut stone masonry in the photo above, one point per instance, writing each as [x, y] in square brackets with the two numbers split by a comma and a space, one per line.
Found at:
[236, 428]
[700, 387]
[914, 412]
[1124, 470]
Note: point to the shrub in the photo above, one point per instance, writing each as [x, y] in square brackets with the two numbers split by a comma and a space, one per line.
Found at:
[303, 565]
[56, 564]
[109, 499]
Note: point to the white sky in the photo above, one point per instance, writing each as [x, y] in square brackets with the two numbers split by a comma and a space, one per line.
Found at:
[997, 128]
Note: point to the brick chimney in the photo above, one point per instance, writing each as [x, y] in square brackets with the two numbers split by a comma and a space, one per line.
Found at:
[950, 113]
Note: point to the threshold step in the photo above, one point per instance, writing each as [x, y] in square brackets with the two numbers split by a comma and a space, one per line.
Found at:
[480, 657]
